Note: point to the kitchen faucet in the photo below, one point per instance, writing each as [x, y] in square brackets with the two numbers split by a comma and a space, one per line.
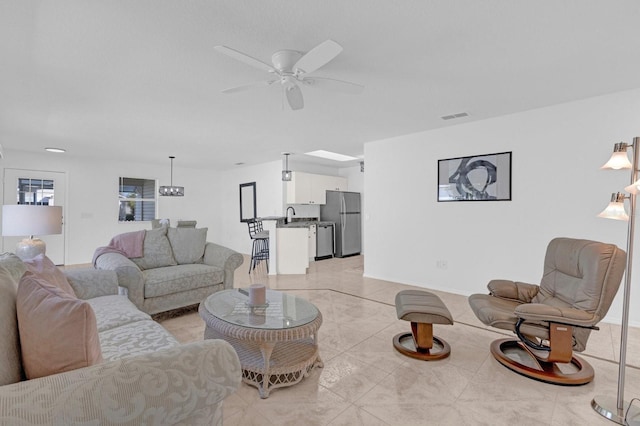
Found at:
[288, 218]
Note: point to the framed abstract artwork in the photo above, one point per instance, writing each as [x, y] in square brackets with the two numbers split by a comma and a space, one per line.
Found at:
[476, 178]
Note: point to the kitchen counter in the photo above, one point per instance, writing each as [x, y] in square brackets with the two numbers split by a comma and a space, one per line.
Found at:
[302, 223]
[296, 225]
[277, 218]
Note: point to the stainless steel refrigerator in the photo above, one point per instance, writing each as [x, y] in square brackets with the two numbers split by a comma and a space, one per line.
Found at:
[343, 208]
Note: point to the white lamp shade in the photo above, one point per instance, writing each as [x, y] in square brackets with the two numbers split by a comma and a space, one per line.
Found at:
[23, 219]
[634, 188]
[615, 210]
[618, 160]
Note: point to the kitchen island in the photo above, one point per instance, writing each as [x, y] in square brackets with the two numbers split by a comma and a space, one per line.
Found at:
[291, 245]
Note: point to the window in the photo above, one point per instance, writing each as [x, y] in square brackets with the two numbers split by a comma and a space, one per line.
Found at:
[137, 199]
[35, 192]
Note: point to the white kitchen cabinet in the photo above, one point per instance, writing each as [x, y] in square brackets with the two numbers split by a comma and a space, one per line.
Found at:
[335, 183]
[292, 250]
[308, 188]
[299, 189]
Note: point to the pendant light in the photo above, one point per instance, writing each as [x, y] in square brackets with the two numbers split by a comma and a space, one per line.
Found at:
[286, 173]
[172, 191]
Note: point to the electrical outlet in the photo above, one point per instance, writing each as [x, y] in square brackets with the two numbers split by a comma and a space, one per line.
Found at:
[442, 264]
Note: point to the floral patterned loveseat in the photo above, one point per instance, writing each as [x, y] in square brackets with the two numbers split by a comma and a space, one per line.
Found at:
[146, 376]
[179, 268]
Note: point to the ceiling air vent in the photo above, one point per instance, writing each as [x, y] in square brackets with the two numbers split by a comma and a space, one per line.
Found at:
[453, 116]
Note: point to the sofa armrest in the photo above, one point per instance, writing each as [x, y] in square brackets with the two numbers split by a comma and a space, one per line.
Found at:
[90, 283]
[513, 290]
[184, 385]
[225, 258]
[129, 275]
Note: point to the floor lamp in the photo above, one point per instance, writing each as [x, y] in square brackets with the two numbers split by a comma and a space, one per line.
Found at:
[619, 410]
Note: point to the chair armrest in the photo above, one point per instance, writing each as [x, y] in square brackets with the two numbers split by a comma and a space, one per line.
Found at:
[90, 283]
[184, 385]
[129, 275]
[513, 290]
[564, 315]
[225, 258]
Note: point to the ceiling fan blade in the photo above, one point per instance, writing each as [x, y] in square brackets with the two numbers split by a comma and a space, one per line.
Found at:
[242, 57]
[294, 96]
[333, 84]
[248, 86]
[317, 57]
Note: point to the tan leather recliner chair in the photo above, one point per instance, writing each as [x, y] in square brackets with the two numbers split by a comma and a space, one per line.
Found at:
[552, 320]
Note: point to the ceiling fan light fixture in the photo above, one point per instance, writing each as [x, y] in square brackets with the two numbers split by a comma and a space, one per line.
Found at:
[171, 190]
[292, 69]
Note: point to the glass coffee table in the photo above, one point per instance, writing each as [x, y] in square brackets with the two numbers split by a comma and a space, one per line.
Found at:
[277, 343]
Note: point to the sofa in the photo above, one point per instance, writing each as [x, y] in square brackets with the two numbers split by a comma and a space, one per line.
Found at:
[178, 268]
[143, 375]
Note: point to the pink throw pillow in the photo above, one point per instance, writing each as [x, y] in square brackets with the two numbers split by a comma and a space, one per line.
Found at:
[58, 332]
[45, 268]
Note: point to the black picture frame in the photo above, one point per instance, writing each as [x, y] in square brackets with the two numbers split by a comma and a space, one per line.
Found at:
[248, 209]
[484, 177]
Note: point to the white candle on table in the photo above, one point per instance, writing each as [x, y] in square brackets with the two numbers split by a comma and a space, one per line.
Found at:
[257, 295]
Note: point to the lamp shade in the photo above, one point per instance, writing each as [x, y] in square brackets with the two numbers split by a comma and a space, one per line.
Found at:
[19, 220]
[618, 160]
[615, 210]
[634, 188]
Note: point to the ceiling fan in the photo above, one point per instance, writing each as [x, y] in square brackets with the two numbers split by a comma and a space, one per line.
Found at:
[292, 68]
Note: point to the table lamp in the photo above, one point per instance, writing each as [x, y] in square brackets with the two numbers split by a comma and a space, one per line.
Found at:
[24, 219]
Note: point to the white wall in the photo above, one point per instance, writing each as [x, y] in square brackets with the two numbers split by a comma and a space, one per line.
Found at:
[229, 231]
[211, 198]
[354, 177]
[557, 188]
[91, 208]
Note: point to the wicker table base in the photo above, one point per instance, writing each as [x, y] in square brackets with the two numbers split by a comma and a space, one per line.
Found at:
[270, 365]
[270, 357]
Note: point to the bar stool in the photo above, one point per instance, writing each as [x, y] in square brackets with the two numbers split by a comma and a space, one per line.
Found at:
[260, 245]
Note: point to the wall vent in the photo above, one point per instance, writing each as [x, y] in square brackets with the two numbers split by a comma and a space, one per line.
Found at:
[453, 116]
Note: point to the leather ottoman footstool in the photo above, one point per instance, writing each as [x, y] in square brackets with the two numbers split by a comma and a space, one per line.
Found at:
[422, 309]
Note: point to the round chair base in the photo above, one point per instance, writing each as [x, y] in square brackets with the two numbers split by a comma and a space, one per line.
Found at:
[404, 344]
[508, 351]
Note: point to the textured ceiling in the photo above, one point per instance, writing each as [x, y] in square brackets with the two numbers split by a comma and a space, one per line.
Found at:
[140, 78]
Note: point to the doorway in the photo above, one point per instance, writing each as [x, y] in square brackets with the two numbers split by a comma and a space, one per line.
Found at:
[41, 188]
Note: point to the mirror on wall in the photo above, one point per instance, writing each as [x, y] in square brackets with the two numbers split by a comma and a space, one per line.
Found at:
[247, 201]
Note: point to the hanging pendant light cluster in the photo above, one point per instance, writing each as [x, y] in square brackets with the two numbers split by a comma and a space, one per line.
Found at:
[172, 191]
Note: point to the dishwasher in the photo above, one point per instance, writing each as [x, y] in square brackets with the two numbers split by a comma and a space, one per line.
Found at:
[324, 240]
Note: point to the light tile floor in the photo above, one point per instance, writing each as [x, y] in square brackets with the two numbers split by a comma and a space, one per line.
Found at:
[366, 382]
